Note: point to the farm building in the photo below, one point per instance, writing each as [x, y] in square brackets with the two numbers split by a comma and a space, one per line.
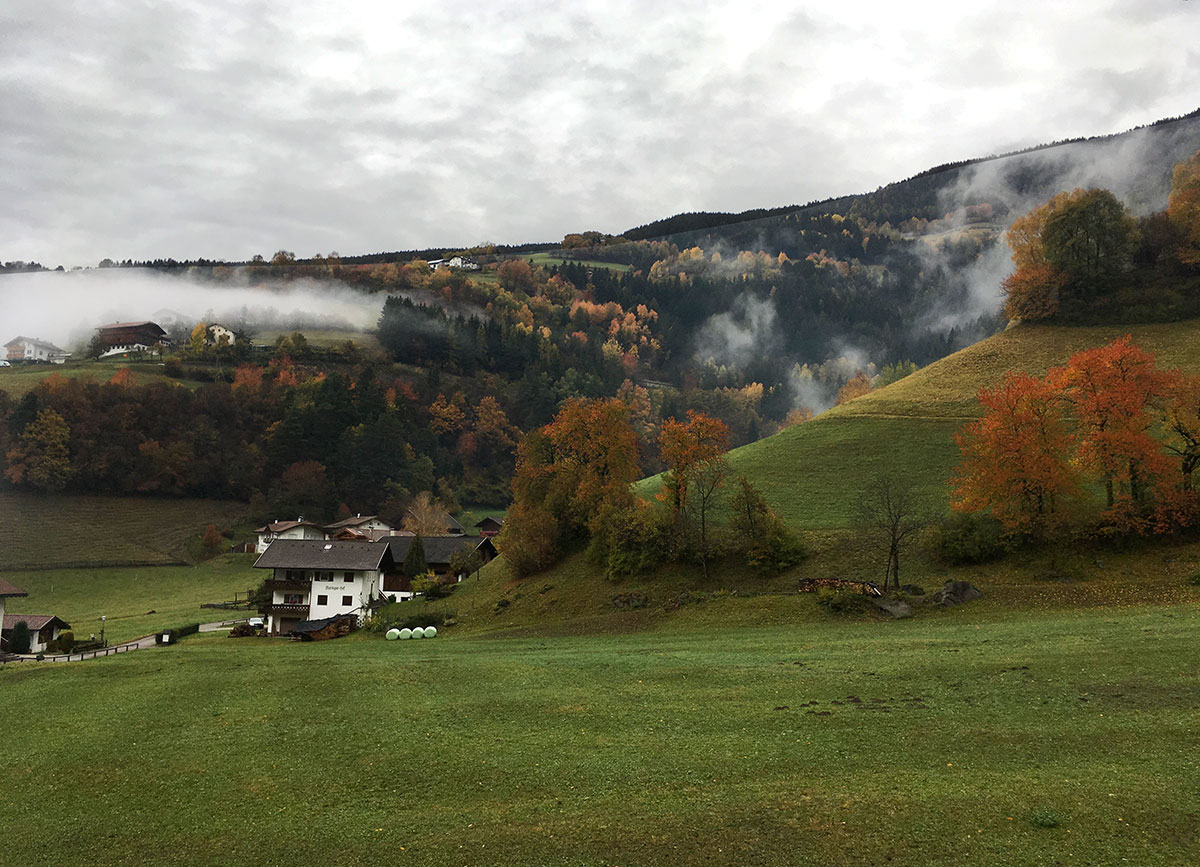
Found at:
[360, 523]
[439, 550]
[122, 337]
[35, 350]
[7, 591]
[313, 580]
[490, 526]
[297, 530]
[43, 628]
[219, 335]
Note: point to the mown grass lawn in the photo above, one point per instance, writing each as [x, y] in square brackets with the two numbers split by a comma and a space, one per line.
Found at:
[134, 600]
[1061, 737]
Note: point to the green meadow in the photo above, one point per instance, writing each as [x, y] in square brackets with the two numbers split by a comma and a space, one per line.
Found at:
[977, 737]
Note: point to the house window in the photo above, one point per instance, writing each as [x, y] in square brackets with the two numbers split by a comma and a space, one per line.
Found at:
[292, 599]
[347, 600]
[347, 576]
[322, 599]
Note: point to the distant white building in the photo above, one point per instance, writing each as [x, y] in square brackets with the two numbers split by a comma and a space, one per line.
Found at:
[33, 349]
[297, 530]
[217, 335]
[465, 263]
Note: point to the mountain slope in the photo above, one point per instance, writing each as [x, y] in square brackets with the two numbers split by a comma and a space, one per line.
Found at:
[813, 473]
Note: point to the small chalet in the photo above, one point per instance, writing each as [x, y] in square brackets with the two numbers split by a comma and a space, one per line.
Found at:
[438, 552]
[7, 591]
[490, 526]
[314, 580]
[123, 337]
[31, 349]
[360, 523]
[219, 335]
[43, 628]
[298, 529]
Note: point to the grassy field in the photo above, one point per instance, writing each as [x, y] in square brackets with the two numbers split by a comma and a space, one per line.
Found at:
[42, 531]
[20, 378]
[1056, 737]
[135, 600]
[548, 259]
[364, 339]
[813, 473]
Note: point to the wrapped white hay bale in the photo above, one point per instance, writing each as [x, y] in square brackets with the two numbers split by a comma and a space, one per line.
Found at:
[430, 631]
[404, 633]
[418, 632]
[392, 634]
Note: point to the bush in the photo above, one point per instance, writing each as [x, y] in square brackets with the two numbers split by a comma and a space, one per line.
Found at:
[420, 621]
[62, 644]
[431, 586]
[637, 540]
[777, 552]
[21, 638]
[968, 539]
[844, 601]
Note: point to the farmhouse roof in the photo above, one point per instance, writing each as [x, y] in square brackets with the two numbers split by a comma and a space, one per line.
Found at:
[356, 521]
[36, 341]
[483, 522]
[145, 323]
[316, 554]
[34, 621]
[438, 549]
[280, 526]
[7, 589]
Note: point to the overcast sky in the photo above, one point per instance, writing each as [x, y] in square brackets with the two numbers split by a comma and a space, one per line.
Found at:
[232, 127]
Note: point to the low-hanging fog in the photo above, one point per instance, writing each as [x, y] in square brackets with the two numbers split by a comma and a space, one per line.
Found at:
[64, 307]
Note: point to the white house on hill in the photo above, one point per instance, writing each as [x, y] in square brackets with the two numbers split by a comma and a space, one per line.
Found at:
[297, 530]
[43, 628]
[33, 349]
[313, 580]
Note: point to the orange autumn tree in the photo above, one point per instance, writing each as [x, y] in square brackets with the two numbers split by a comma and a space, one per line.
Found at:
[686, 448]
[571, 475]
[1112, 390]
[1182, 420]
[1016, 459]
[1031, 291]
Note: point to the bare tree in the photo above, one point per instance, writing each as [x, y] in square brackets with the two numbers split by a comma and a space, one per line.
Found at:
[888, 511]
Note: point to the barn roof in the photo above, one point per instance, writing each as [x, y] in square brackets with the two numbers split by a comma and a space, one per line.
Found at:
[318, 554]
[438, 549]
[143, 324]
[356, 521]
[7, 589]
[34, 621]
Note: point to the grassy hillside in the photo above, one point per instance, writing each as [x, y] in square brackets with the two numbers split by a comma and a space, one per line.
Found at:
[135, 600]
[20, 378]
[951, 740]
[42, 531]
[813, 473]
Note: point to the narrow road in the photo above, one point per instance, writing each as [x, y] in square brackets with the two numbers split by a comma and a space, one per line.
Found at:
[143, 643]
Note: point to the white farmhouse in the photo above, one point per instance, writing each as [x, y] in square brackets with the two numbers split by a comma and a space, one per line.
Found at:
[297, 530]
[33, 349]
[314, 580]
[43, 628]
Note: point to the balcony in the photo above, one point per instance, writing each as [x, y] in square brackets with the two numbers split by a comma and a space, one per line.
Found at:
[289, 584]
[288, 609]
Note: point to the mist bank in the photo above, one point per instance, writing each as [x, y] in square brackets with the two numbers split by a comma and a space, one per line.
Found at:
[65, 307]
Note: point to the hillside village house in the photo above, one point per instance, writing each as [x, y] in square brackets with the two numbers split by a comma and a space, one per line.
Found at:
[490, 526]
[43, 628]
[31, 349]
[219, 335]
[362, 524]
[314, 580]
[7, 591]
[124, 337]
[439, 550]
[296, 530]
